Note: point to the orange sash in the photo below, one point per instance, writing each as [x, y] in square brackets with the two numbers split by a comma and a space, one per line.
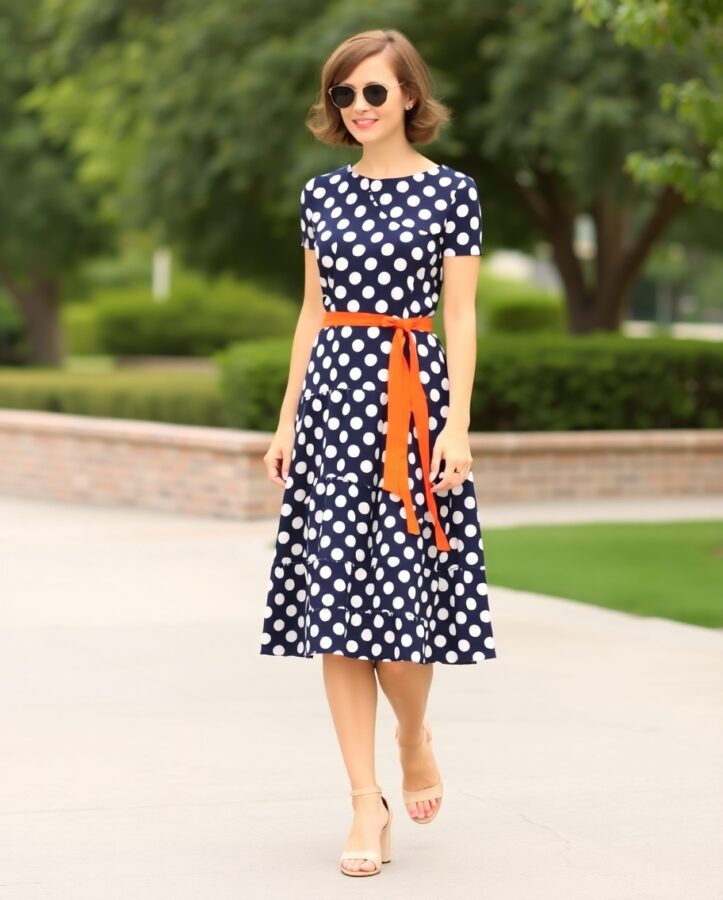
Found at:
[406, 397]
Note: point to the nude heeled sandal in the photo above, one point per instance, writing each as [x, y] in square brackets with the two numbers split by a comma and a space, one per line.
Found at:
[428, 793]
[385, 839]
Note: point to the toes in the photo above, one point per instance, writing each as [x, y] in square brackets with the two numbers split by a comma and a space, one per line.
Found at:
[354, 865]
[422, 808]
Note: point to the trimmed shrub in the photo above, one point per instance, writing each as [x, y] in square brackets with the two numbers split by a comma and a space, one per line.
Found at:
[599, 381]
[509, 306]
[522, 383]
[526, 315]
[180, 397]
[80, 329]
[253, 377]
[199, 319]
[533, 383]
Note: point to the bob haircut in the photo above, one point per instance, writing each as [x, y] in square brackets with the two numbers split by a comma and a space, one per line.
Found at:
[422, 121]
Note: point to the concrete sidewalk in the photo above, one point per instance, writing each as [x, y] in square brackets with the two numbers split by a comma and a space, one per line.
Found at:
[149, 752]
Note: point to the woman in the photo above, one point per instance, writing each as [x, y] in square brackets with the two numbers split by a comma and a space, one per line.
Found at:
[376, 567]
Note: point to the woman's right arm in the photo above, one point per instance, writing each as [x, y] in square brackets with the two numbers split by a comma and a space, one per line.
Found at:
[278, 456]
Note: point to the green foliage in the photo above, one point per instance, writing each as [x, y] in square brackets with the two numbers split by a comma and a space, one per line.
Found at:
[80, 329]
[526, 315]
[199, 318]
[599, 381]
[12, 344]
[522, 383]
[253, 377]
[183, 398]
[168, 106]
[49, 219]
[695, 29]
[567, 104]
[530, 383]
[507, 305]
[165, 108]
[631, 566]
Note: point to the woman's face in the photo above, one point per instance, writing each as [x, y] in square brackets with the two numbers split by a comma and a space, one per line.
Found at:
[369, 123]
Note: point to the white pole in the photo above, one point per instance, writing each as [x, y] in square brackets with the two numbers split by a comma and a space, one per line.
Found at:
[161, 287]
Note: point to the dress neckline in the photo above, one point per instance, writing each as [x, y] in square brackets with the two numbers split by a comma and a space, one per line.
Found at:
[431, 171]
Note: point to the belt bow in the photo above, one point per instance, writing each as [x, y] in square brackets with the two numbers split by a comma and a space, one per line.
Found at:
[406, 399]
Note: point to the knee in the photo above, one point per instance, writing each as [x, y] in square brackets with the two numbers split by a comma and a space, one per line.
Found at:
[390, 669]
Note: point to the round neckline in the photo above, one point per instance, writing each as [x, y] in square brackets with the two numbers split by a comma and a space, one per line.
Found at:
[434, 168]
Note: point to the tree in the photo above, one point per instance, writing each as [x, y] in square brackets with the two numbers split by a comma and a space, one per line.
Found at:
[697, 29]
[546, 110]
[47, 221]
[564, 106]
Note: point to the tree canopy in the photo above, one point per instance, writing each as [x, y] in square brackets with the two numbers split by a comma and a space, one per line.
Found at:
[696, 99]
[188, 115]
[49, 219]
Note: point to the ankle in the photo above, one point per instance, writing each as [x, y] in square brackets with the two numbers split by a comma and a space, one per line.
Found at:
[367, 804]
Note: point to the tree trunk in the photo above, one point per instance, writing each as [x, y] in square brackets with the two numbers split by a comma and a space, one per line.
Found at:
[602, 304]
[39, 305]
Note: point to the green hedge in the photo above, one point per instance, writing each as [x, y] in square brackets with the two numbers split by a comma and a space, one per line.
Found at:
[526, 316]
[522, 383]
[509, 306]
[187, 398]
[531, 383]
[253, 378]
[199, 318]
[80, 329]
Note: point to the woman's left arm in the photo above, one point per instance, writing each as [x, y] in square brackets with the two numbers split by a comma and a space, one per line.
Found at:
[460, 328]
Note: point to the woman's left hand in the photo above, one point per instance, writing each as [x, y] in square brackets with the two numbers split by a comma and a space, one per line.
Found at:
[452, 446]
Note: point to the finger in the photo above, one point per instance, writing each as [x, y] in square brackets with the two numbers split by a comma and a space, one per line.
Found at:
[445, 484]
[272, 470]
[450, 478]
[286, 462]
[435, 462]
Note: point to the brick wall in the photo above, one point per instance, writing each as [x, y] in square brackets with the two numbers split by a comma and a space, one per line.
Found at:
[220, 472]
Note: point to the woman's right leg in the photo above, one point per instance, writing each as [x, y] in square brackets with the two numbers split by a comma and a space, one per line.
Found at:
[351, 691]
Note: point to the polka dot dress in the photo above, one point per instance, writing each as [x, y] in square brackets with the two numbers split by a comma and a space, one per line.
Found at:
[347, 577]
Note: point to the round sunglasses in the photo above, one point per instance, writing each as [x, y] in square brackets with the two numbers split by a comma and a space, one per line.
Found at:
[343, 95]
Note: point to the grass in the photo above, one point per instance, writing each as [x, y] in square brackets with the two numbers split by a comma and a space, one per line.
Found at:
[673, 569]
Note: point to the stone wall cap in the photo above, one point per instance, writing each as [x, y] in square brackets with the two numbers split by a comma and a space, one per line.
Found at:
[244, 440]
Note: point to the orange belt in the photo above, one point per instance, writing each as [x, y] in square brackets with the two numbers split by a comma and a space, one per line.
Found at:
[406, 397]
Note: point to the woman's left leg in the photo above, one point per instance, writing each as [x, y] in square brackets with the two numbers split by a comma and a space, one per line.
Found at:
[407, 686]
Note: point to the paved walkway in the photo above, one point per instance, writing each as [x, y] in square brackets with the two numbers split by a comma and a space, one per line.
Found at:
[149, 752]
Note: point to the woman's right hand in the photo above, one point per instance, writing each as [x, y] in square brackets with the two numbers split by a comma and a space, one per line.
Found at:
[278, 457]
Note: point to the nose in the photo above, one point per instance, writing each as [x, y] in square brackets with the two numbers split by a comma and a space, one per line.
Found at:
[360, 105]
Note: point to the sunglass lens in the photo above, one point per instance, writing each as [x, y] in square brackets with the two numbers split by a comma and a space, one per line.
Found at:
[342, 95]
[375, 94]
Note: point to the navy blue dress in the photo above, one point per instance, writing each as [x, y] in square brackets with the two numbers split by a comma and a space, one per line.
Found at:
[347, 577]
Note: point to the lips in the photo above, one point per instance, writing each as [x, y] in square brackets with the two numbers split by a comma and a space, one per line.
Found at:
[364, 123]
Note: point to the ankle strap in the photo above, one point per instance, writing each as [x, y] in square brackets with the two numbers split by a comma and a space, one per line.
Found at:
[370, 790]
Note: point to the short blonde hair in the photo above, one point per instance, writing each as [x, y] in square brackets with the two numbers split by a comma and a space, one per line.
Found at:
[422, 122]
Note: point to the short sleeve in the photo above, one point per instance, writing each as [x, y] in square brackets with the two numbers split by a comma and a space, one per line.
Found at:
[463, 224]
[306, 216]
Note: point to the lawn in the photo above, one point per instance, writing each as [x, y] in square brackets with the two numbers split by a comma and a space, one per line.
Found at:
[673, 569]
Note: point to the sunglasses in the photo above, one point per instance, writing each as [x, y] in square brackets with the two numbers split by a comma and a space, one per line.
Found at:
[343, 95]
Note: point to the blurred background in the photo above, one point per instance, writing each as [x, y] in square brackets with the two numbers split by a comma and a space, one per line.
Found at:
[152, 154]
